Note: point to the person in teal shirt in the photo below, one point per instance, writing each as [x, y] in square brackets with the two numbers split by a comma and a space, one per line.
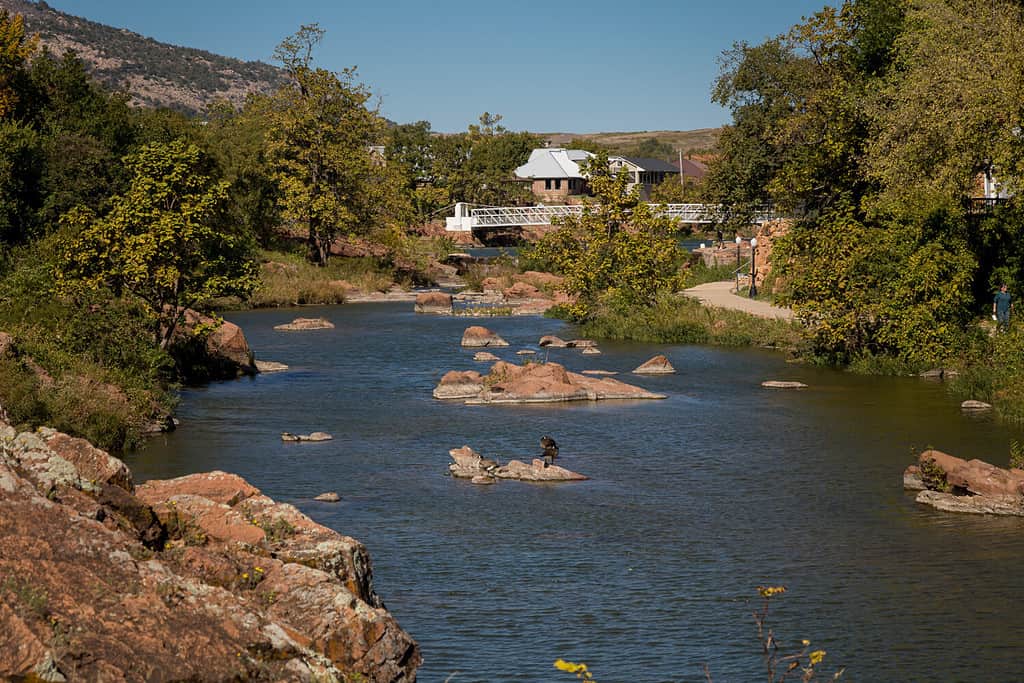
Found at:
[1001, 307]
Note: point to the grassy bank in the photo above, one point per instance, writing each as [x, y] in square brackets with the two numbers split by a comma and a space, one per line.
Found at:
[288, 279]
[677, 320]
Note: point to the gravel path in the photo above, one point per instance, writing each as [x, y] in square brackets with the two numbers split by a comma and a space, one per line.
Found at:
[720, 295]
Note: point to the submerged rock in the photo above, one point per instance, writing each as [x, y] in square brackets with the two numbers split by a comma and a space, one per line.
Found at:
[975, 406]
[300, 324]
[783, 384]
[265, 366]
[485, 356]
[329, 497]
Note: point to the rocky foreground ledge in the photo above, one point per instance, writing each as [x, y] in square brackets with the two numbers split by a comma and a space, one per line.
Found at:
[199, 578]
[952, 484]
[533, 383]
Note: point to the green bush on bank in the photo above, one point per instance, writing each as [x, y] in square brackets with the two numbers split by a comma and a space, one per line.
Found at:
[674, 319]
[88, 367]
[992, 370]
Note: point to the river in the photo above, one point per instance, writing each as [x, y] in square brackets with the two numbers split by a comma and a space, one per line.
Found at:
[648, 571]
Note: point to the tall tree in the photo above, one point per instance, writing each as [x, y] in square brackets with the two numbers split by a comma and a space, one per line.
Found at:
[320, 136]
[236, 140]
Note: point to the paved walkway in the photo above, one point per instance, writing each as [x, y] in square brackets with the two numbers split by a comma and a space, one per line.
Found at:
[720, 295]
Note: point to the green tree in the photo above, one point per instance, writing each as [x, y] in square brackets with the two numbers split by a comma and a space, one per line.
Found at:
[15, 50]
[477, 166]
[158, 243]
[85, 131]
[319, 141]
[236, 140]
[617, 254]
[952, 107]
[21, 168]
[411, 151]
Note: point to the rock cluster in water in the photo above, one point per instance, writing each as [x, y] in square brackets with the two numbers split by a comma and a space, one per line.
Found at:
[974, 486]
[533, 383]
[200, 578]
[468, 464]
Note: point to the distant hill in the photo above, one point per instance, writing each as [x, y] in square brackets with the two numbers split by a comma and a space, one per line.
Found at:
[699, 144]
[155, 74]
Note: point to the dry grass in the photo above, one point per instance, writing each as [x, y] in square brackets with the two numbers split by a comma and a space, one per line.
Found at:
[288, 280]
[701, 140]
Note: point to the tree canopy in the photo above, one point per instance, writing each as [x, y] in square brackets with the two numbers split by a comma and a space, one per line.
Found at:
[871, 123]
[159, 243]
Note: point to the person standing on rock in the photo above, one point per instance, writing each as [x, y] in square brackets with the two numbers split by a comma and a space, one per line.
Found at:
[550, 450]
[1002, 305]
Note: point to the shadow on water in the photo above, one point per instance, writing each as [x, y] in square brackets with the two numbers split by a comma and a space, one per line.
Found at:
[647, 570]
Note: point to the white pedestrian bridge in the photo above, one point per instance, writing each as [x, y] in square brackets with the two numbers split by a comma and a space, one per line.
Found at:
[467, 218]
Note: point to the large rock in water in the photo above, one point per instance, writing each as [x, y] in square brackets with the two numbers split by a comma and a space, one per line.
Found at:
[434, 302]
[958, 485]
[223, 353]
[476, 335]
[459, 385]
[235, 587]
[658, 365]
[534, 383]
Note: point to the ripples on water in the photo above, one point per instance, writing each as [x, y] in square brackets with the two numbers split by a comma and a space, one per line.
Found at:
[646, 572]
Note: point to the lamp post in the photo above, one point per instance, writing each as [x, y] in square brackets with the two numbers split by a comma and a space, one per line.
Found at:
[739, 241]
[753, 267]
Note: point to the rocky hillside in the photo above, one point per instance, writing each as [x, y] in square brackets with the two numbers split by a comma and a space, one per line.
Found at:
[200, 578]
[155, 74]
[697, 144]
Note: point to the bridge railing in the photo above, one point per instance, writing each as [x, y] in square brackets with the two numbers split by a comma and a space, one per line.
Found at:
[509, 216]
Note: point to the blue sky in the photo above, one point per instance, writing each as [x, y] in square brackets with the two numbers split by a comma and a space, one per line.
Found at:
[553, 66]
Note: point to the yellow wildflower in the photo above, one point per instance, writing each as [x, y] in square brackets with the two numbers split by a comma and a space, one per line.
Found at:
[770, 591]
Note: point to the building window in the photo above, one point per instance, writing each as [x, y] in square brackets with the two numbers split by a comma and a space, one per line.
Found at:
[547, 184]
[558, 183]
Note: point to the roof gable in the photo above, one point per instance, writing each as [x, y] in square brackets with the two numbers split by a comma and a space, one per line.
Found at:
[553, 162]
